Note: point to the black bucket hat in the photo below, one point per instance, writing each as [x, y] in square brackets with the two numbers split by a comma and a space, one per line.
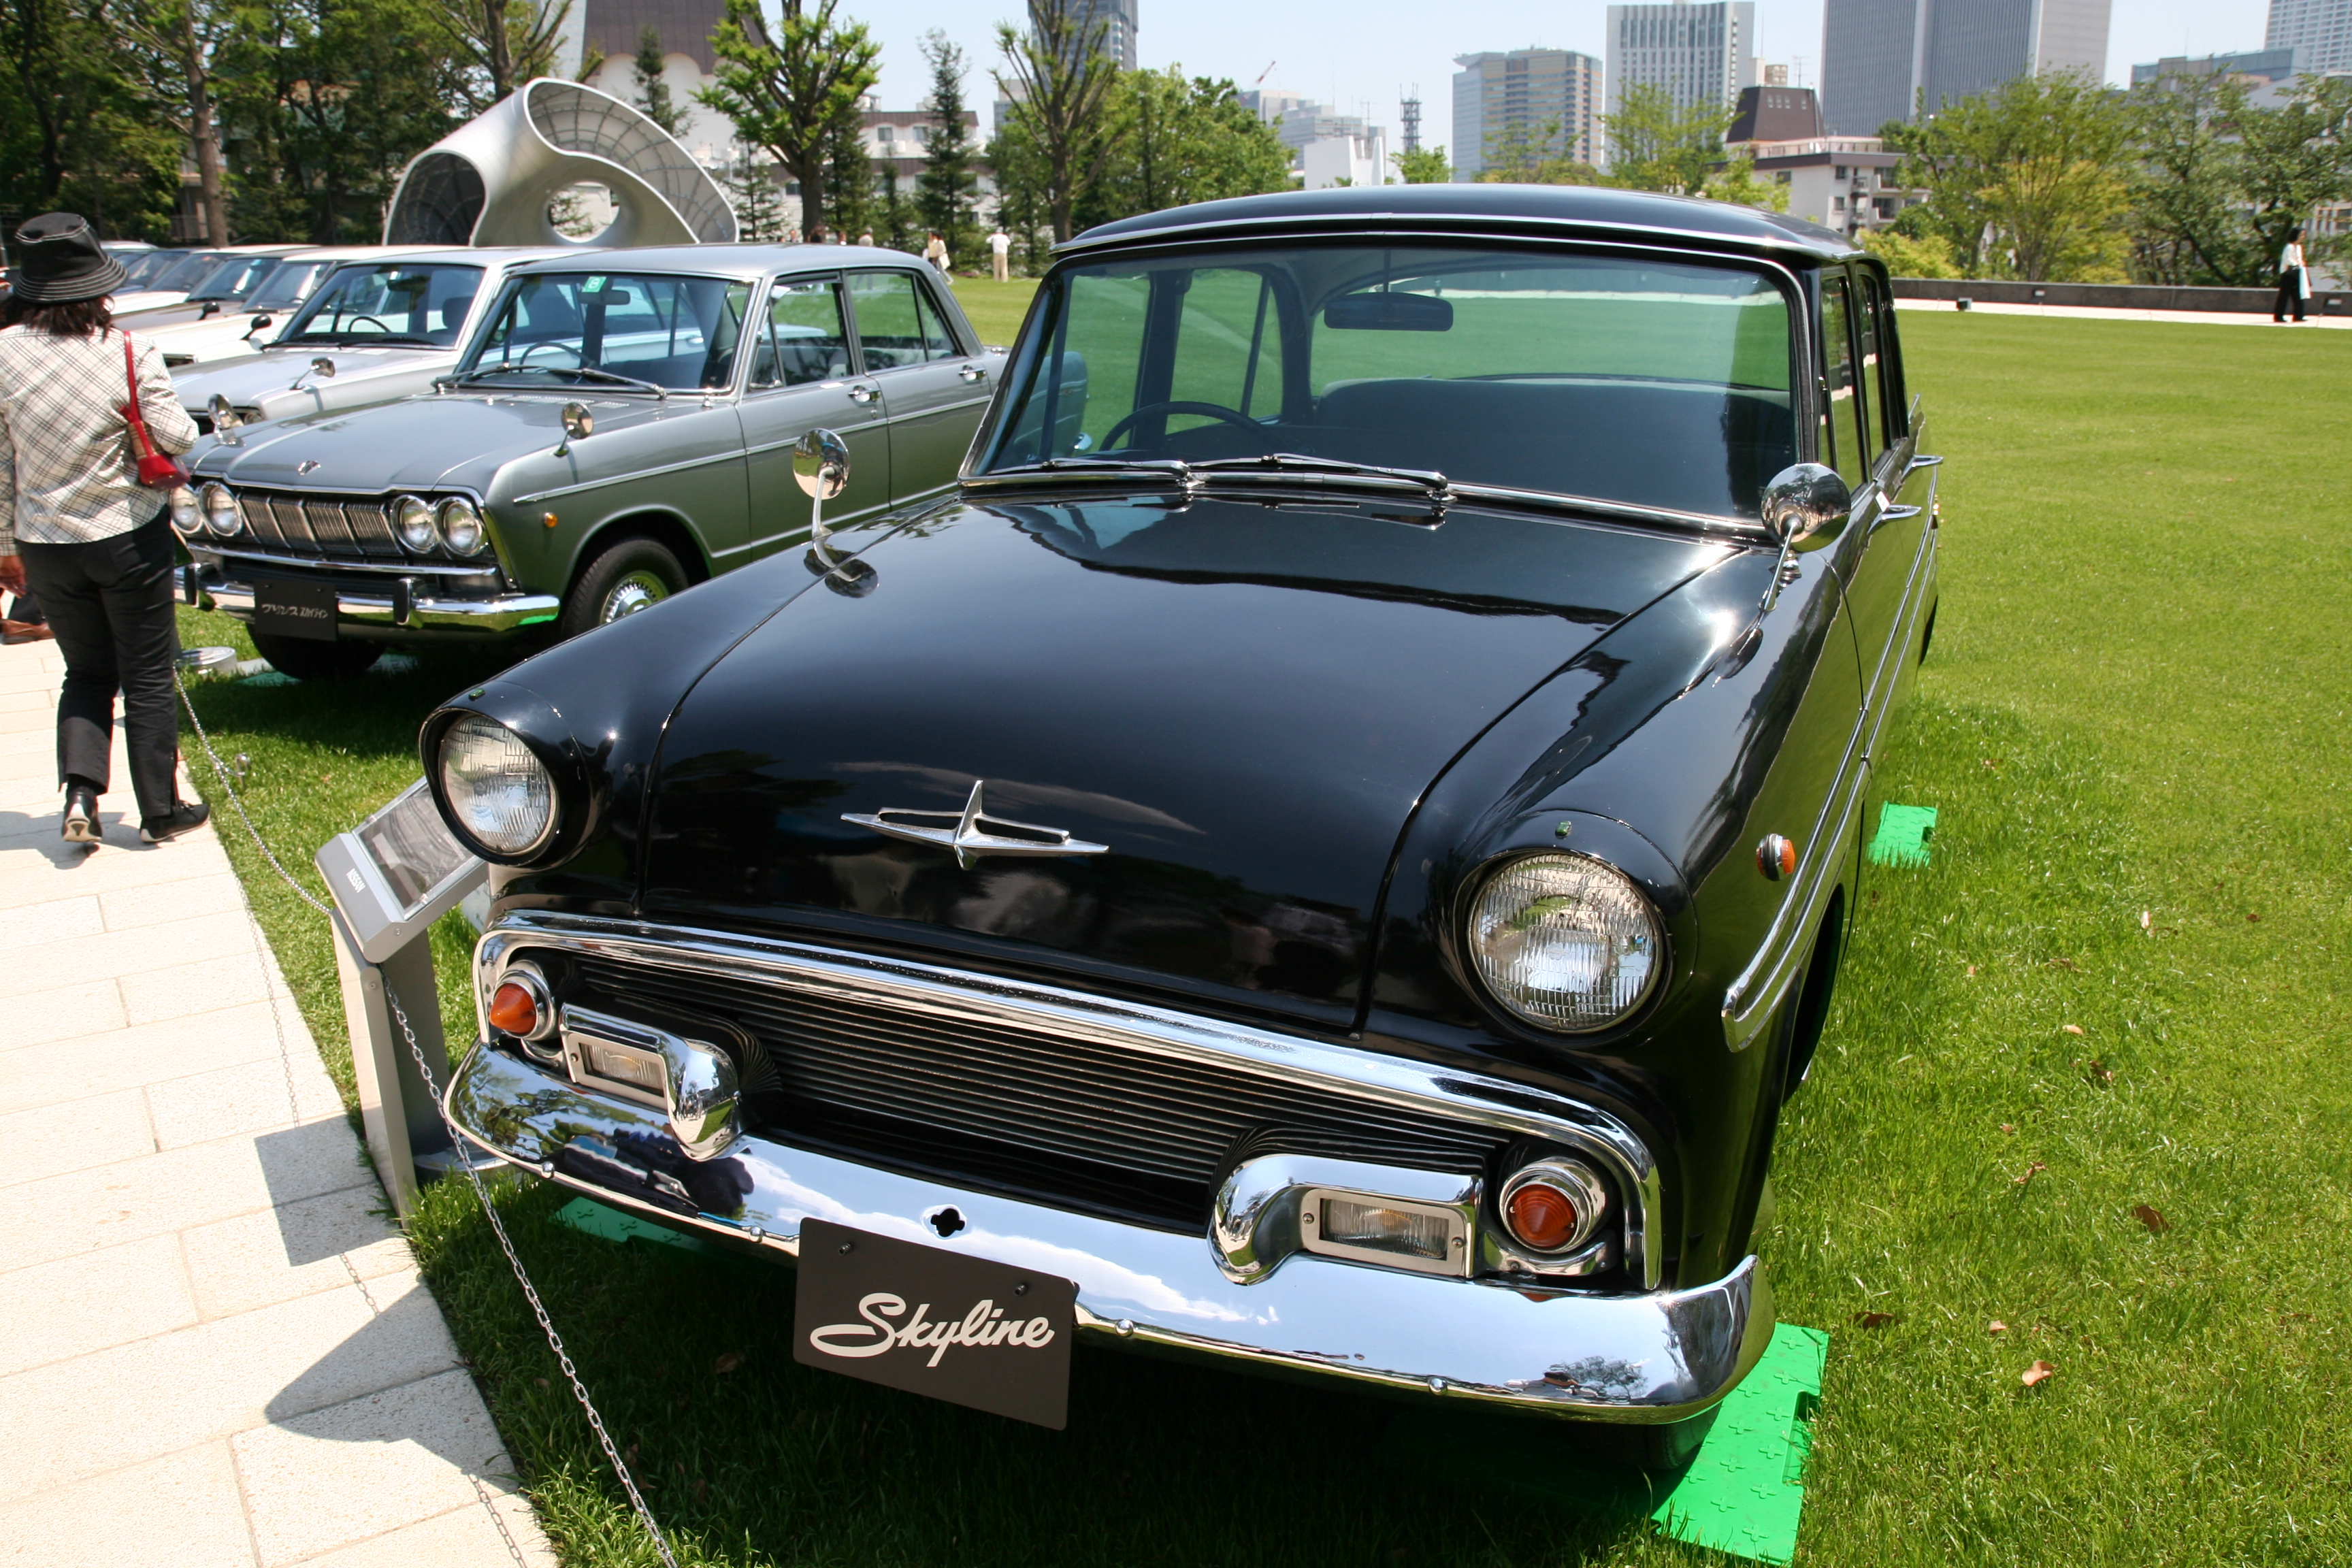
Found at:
[58, 259]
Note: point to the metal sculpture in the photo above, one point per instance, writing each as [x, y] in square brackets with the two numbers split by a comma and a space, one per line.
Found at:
[490, 182]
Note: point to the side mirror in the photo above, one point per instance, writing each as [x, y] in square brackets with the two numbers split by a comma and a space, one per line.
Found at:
[1805, 507]
[323, 368]
[226, 421]
[578, 426]
[821, 468]
[258, 323]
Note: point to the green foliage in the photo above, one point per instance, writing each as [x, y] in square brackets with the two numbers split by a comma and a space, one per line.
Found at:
[2220, 183]
[751, 184]
[944, 192]
[1735, 181]
[1526, 153]
[2036, 166]
[894, 211]
[849, 179]
[77, 131]
[500, 43]
[1927, 256]
[1022, 208]
[1423, 166]
[653, 91]
[790, 85]
[1061, 87]
[1655, 145]
[1183, 140]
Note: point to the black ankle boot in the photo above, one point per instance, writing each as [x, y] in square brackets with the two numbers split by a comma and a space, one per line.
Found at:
[185, 818]
[81, 815]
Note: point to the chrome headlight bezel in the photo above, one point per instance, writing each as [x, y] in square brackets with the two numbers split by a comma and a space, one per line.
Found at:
[460, 525]
[417, 524]
[187, 510]
[518, 757]
[1614, 905]
[218, 502]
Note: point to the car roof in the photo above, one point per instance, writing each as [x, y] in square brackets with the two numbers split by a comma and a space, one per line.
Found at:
[746, 261]
[1559, 211]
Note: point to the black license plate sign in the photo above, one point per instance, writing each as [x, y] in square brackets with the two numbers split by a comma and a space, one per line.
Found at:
[295, 609]
[932, 1321]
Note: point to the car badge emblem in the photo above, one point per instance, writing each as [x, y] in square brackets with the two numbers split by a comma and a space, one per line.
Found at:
[306, 465]
[973, 833]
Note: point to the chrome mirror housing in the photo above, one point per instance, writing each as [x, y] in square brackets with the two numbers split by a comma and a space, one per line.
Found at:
[820, 464]
[322, 367]
[1805, 506]
[226, 422]
[578, 426]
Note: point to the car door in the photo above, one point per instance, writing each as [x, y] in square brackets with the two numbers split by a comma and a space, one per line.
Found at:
[801, 378]
[934, 386]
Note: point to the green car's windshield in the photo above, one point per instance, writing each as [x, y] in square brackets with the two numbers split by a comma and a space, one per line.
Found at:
[407, 302]
[564, 329]
[1655, 384]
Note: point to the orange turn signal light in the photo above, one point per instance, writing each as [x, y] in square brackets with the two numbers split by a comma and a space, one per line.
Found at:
[1542, 1216]
[514, 1009]
[1776, 858]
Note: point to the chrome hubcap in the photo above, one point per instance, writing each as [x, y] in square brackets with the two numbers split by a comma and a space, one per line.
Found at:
[633, 593]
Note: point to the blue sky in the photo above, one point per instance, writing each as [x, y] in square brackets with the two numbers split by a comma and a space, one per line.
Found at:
[1360, 53]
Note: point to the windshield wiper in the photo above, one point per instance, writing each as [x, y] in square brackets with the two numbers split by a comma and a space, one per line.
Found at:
[1178, 472]
[505, 366]
[1439, 487]
[618, 379]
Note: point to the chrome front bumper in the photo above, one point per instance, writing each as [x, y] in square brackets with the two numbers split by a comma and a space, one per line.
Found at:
[1648, 1357]
[505, 613]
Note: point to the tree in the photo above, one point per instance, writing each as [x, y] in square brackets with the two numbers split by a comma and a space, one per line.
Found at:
[502, 44]
[1021, 207]
[2218, 184]
[1736, 182]
[1655, 145]
[751, 184]
[789, 93]
[1906, 257]
[175, 43]
[1423, 166]
[653, 90]
[849, 177]
[77, 130]
[1181, 141]
[1060, 88]
[945, 190]
[1531, 152]
[894, 214]
[2298, 157]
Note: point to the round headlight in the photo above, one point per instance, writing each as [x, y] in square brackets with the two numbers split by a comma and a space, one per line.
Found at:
[413, 520]
[461, 525]
[220, 511]
[499, 793]
[1565, 941]
[187, 515]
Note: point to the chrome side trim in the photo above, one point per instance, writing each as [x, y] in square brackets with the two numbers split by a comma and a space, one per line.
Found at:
[377, 567]
[1636, 1358]
[503, 614]
[1505, 1106]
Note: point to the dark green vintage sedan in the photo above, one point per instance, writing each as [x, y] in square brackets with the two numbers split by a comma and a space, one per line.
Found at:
[619, 428]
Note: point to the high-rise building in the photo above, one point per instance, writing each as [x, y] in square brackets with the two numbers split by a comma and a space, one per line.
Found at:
[1552, 96]
[1116, 18]
[2318, 31]
[1880, 59]
[2269, 75]
[1696, 51]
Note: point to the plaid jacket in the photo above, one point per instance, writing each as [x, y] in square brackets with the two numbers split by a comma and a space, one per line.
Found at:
[67, 473]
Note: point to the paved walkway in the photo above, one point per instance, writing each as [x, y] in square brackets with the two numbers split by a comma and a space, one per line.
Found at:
[213, 1349]
[2111, 313]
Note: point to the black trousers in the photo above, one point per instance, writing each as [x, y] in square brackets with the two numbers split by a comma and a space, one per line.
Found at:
[110, 603]
[2290, 293]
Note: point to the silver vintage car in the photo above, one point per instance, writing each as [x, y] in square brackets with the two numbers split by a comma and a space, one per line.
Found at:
[619, 428]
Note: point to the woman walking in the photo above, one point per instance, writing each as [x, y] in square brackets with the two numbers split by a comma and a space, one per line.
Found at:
[77, 527]
[2294, 280]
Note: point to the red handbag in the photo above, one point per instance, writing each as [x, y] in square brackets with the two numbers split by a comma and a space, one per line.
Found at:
[157, 471]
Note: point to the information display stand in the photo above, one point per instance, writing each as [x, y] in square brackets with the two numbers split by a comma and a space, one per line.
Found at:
[392, 877]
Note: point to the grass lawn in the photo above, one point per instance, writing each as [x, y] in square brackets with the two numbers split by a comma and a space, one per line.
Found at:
[2134, 725]
[995, 309]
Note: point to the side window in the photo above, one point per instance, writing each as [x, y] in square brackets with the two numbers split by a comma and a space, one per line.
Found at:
[890, 322]
[1893, 410]
[1228, 347]
[939, 343]
[1873, 409]
[801, 340]
[1844, 434]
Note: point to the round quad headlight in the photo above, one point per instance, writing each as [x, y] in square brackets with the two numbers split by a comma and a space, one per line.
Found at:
[1565, 941]
[461, 525]
[500, 794]
[220, 511]
[187, 513]
[412, 518]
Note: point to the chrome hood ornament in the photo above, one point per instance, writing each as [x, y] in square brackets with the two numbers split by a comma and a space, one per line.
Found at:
[973, 833]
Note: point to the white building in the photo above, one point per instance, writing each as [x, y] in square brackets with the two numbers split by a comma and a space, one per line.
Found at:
[1529, 92]
[2318, 31]
[1329, 161]
[1326, 148]
[1696, 51]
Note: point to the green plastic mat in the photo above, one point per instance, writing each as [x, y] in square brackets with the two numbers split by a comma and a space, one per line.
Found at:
[593, 1218]
[1743, 1494]
[1904, 832]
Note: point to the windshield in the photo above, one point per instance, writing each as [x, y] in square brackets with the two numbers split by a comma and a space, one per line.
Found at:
[415, 304]
[564, 329]
[147, 264]
[191, 269]
[235, 278]
[289, 286]
[1649, 382]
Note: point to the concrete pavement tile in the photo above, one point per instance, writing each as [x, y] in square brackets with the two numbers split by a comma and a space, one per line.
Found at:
[229, 1102]
[200, 988]
[49, 868]
[68, 1012]
[259, 1259]
[464, 1538]
[30, 925]
[61, 1215]
[87, 1302]
[120, 953]
[210, 893]
[41, 701]
[31, 718]
[103, 1130]
[367, 1466]
[154, 1053]
[99, 1412]
[182, 1510]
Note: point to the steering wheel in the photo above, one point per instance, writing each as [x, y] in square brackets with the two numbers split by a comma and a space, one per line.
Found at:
[381, 326]
[1211, 410]
[577, 357]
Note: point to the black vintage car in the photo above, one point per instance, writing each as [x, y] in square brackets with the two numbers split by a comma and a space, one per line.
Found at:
[1336, 841]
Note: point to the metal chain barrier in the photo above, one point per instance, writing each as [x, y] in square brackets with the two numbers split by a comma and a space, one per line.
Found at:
[458, 1142]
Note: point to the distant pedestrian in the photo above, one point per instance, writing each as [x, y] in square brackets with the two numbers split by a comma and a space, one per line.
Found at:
[935, 252]
[865, 237]
[2294, 279]
[1000, 256]
[77, 527]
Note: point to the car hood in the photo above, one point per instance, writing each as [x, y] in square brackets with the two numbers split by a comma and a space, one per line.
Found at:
[1242, 702]
[415, 443]
[247, 379]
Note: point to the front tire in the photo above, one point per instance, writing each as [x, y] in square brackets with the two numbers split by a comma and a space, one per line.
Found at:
[307, 660]
[631, 576]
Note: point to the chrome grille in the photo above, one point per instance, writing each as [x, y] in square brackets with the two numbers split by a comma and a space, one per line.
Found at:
[352, 530]
[1073, 1121]
[371, 526]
